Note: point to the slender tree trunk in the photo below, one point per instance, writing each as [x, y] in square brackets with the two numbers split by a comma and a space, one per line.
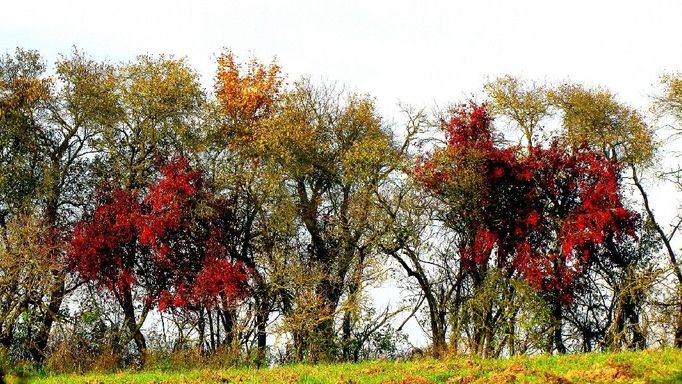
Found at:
[346, 329]
[217, 328]
[488, 334]
[678, 328]
[676, 267]
[300, 345]
[202, 329]
[511, 334]
[211, 334]
[587, 341]
[56, 292]
[351, 308]
[436, 316]
[557, 329]
[262, 318]
[131, 323]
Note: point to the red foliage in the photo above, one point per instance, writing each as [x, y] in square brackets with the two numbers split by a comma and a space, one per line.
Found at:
[163, 242]
[103, 248]
[546, 214]
[219, 279]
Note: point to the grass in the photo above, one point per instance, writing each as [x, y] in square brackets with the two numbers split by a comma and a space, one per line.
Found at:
[661, 366]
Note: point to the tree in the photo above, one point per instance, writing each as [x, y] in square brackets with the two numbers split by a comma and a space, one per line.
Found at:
[593, 117]
[157, 249]
[414, 245]
[523, 103]
[326, 146]
[596, 118]
[22, 90]
[246, 97]
[50, 124]
[157, 106]
[547, 215]
[669, 104]
[27, 269]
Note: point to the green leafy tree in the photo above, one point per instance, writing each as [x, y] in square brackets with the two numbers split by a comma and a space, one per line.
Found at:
[50, 124]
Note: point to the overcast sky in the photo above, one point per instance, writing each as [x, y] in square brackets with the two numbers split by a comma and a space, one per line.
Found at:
[418, 52]
[414, 51]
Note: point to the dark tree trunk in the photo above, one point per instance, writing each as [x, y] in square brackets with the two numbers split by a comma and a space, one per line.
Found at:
[211, 333]
[638, 340]
[346, 329]
[56, 292]
[39, 347]
[438, 334]
[228, 318]
[217, 329]
[557, 328]
[131, 322]
[202, 329]
[262, 318]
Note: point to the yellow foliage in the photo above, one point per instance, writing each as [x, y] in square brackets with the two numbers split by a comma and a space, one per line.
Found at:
[595, 117]
[671, 100]
[525, 104]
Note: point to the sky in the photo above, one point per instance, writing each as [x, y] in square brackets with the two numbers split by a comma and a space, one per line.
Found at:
[417, 52]
[423, 53]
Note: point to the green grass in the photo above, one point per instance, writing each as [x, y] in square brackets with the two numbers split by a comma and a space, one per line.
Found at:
[663, 366]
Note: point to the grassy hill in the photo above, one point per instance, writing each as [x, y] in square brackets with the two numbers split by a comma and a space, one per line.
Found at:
[661, 366]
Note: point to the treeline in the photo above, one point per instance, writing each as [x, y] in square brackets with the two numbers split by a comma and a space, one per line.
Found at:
[142, 215]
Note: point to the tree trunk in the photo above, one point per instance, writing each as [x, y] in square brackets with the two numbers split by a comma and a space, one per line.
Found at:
[228, 318]
[669, 249]
[323, 346]
[211, 333]
[557, 329]
[56, 292]
[638, 340]
[131, 323]
[678, 328]
[437, 318]
[261, 332]
[346, 330]
[43, 336]
[511, 334]
[202, 329]
[438, 336]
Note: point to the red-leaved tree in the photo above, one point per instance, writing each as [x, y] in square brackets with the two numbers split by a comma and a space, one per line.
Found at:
[545, 214]
[168, 247]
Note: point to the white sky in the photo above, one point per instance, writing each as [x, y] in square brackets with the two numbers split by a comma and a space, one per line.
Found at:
[419, 52]
[415, 51]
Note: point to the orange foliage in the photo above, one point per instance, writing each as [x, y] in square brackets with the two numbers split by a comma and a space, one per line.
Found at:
[246, 95]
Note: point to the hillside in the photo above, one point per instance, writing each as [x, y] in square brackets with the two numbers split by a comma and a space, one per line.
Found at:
[661, 366]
